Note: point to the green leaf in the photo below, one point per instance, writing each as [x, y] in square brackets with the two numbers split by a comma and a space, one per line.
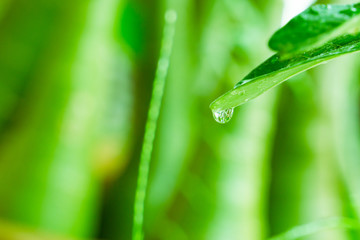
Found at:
[316, 26]
[330, 21]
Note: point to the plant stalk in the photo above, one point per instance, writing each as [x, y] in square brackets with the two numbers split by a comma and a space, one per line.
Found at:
[151, 123]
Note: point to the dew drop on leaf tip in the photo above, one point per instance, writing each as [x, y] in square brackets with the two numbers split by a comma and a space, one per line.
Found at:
[223, 116]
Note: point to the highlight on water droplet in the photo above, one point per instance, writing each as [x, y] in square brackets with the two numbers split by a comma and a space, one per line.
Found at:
[223, 116]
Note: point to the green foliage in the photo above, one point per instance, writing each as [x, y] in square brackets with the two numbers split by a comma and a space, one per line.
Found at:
[315, 26]
[305, 31]
[80, 90]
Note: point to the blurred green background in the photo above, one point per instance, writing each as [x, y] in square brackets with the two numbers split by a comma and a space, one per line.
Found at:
[75, 84]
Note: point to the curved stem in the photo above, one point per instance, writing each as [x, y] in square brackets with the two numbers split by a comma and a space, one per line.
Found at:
[151, 123]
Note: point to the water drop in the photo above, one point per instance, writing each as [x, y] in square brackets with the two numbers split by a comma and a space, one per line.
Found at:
[242, 82]
[223, 116]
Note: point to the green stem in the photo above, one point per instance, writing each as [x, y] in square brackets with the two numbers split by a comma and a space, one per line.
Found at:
[151, 123]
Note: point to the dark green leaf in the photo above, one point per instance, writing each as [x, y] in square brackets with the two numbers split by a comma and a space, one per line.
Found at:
[315, 36]
[315, 26]
[276, 70]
